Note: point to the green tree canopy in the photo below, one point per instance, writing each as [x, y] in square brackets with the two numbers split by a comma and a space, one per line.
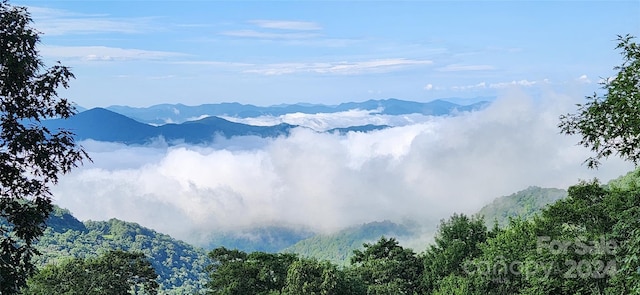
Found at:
[31, 156]
[457, 240]
[236, 272]
[115, 272]
[609, 124]
[313, 277]
[388, 268]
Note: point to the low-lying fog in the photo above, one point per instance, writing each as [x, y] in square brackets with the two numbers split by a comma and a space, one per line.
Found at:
[424, 169]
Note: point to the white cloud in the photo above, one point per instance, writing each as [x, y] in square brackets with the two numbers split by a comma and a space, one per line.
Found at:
[103, 53]
[460, 68]
[337, 67]
[279, 25]
[267, 35]
[481, 85]
[428, 87]
[287, 25]
[323, 42]
[584, 79]
[54, 22]
[215, 63]
[326, 121]
[525, 83]
[424, 171]
[377, 65]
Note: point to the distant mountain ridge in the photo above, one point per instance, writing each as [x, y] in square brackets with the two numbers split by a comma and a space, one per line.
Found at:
[105, 125]
[178, 113]
[200, 124]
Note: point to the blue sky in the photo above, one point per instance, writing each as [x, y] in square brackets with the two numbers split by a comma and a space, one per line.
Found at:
[141, 53]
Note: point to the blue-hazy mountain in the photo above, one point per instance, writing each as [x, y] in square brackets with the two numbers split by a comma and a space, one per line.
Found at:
[105, 125]
[177, 113]
[138, 125]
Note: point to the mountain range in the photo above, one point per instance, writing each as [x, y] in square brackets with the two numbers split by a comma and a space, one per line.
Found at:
[200, 124]
[105, 125]
[178, 113]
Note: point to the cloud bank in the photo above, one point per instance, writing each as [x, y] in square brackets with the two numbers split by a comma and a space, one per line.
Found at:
[327, 121]
[421, 172]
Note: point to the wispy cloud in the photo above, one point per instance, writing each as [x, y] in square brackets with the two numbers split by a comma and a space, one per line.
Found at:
[339, 67]
[277, 30]
[103, 53]
[54, 22]
[523, 83]
[461, 68]
[268, 35]
[215, 63]
[499, 85]
[323, 42]
[344, 67]
[286, 25]
[481, 85]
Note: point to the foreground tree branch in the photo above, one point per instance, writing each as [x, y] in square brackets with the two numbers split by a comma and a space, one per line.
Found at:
[610, 124]
[31, 156]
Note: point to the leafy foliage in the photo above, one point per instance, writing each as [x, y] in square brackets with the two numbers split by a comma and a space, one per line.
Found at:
[115, 272]
[610, 124]
[458, 239]
[31, 156]
[313, 277]
[236, 272]
[585, 244]
[180, 266]
[387, 268]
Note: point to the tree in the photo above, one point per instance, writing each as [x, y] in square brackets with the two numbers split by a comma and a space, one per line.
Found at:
[388, 268]
[236, 272]
[610, 124]
[457, 240]
[31, 156]
[115, 272]
[609, 215]
[505, 260]
[313, 277]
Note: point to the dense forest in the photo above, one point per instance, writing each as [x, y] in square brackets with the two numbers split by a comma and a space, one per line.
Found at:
[586, 243]
[584, 240]
[350, 257]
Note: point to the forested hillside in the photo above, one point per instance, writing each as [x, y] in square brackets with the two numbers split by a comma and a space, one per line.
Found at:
[338, 247]
[179, 265]
[452, 264]
[265, 239]
[524, 204]
[586, 243]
